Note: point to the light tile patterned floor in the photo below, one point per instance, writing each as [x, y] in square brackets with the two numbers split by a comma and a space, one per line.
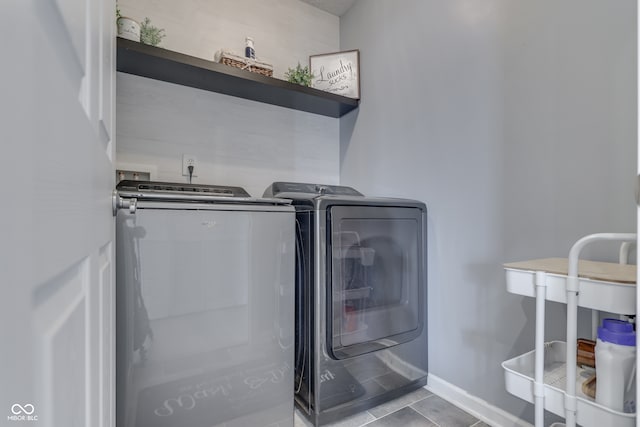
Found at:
[418, 409]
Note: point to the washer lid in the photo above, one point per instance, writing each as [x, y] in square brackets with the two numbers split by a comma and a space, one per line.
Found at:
[154, 187]
[128, 193]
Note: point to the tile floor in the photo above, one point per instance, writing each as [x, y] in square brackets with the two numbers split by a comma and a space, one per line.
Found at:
[418, 409]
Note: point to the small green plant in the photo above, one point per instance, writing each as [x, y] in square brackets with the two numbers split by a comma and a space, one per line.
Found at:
[150, 34]
[299, 75]
[118, 14]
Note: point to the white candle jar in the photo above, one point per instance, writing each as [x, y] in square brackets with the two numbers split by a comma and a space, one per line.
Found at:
[128, 29]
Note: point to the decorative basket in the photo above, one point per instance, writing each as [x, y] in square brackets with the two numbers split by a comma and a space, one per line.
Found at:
[227, 58]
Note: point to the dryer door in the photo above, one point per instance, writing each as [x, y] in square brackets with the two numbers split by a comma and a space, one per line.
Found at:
[376, 278]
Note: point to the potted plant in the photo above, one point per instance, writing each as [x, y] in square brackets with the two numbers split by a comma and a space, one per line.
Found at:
[299, 75]
[150, 34]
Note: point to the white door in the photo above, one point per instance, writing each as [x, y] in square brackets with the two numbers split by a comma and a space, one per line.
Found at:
[56, 226]
[638, 201]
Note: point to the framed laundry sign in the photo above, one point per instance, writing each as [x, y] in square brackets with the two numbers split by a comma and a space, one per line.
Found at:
[337, 73]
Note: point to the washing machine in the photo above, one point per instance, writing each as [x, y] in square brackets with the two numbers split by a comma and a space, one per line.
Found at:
[205, 307]
[361, 298]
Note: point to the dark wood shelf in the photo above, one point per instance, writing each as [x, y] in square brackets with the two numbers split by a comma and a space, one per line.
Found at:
[173, 67]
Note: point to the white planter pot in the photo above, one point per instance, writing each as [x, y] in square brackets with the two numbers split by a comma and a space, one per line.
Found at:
[128, 29]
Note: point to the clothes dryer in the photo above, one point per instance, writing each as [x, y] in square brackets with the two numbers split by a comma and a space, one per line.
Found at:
[361, 298]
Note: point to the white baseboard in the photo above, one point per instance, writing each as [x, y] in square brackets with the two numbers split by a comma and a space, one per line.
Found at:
[477, 407]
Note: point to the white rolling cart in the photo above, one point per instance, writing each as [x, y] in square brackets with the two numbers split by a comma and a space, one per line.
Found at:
[548, 376]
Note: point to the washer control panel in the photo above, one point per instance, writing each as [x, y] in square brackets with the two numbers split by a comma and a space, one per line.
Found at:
[319, 189]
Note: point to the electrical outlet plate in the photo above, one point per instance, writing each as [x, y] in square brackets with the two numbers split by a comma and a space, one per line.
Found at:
[189, 160]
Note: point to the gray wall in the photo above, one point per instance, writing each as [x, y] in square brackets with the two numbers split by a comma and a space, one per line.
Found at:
[236, 141]
[515, 123]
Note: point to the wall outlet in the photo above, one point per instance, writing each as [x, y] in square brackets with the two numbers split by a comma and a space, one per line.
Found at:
[189, 160]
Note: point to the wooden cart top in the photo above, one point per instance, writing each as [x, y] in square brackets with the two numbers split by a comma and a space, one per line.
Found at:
[605, 271]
